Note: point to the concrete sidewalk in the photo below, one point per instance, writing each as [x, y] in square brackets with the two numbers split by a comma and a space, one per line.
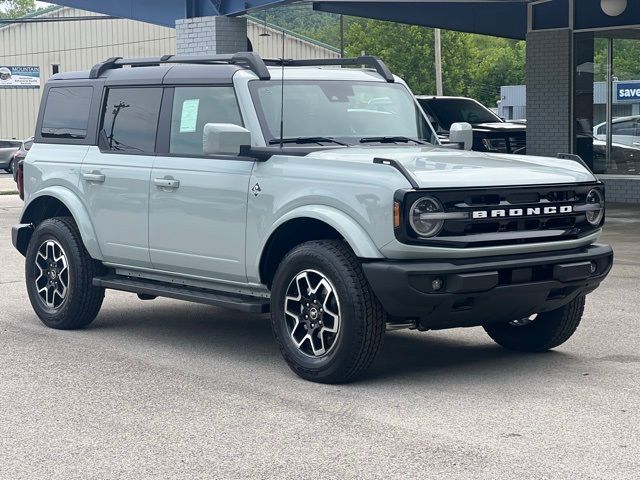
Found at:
[8, 186]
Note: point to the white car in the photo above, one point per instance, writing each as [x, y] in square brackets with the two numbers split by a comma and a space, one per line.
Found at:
[624, 131]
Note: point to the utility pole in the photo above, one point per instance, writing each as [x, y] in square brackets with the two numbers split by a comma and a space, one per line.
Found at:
[341, 36]
[438, 48]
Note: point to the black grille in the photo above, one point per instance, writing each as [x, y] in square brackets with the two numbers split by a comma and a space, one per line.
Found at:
[517, 144]
[530, 224]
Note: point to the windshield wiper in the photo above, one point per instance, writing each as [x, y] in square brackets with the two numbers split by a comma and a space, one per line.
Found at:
[305, 140]
[390, 139]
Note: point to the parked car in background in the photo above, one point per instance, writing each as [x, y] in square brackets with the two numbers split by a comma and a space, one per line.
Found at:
[18, 159]
[7, 150]
[490, 132]
[624, 131]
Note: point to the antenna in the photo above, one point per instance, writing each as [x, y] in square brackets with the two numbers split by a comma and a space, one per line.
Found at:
[282, 96]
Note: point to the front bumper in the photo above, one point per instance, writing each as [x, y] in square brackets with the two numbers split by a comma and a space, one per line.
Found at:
[489, 290]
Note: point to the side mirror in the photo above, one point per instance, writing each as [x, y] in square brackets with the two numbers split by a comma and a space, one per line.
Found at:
[462, 134]
[224, 139]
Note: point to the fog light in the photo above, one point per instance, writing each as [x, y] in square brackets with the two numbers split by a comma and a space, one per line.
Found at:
[594, 267]
[437, 284]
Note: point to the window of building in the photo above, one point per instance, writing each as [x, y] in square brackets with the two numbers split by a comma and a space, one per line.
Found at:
[606, 101]
[130, 120]
[55, 68]
[66, 113]
[193, 108]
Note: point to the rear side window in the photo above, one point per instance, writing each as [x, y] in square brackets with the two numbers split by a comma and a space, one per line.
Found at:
[130, 120]
[193, 108]
[66, 113]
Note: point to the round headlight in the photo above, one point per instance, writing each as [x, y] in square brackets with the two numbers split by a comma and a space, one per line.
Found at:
[595, 197]
[420, 214]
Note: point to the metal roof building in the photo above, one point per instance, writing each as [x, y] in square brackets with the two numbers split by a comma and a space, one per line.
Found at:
[77, 45]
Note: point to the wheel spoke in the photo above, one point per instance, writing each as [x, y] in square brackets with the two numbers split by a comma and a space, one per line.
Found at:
[301, 342]
[321, 350]
[51, 295]
[303, 276]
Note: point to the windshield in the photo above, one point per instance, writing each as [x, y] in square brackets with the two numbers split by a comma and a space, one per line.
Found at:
[451, 110]
[339, 111]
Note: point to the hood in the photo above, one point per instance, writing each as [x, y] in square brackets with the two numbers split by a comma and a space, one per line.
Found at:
[506, 127]
[436, 167]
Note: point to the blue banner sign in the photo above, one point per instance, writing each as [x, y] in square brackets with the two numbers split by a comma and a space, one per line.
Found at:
[628, 91]
[19, 77]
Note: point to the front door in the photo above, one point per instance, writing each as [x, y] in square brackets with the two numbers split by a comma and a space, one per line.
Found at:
[198, 203]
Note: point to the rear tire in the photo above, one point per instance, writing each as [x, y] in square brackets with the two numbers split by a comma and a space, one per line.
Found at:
[334, 325]
[59, 274]
[9, 169]
[548, 330]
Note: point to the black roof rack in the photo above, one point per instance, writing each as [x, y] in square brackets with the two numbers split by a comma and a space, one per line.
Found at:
[250, 60]
[369, 61]
[247, 59]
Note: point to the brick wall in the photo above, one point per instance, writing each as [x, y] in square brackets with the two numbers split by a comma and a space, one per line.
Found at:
[548, 74]
[620, 189]
[211, 35]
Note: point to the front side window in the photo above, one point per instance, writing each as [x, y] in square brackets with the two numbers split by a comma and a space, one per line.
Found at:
[193, 108]
[453, 110]
[66, 113]
[130, 120]
[345, 111]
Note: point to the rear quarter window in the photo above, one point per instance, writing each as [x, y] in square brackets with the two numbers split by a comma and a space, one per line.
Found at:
[66, 112]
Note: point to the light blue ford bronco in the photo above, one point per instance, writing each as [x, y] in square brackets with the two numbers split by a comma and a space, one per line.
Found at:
[316, 193]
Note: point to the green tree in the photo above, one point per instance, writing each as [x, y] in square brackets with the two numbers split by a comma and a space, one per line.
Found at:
[409, 51]
[499, 62]
[626, 53]
[473, 65]
[16, 8]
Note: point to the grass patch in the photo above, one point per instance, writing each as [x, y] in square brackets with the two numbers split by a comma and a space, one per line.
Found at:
[8, 192]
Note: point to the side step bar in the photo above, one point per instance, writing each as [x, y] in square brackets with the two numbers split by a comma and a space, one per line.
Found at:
[189, 294]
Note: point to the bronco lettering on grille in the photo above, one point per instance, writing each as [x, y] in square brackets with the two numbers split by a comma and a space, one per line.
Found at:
[522, 212]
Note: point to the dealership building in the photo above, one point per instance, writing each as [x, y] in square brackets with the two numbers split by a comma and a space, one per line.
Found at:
[572, 45]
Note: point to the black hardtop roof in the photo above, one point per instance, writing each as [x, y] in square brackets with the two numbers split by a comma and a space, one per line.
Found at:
[174, 74]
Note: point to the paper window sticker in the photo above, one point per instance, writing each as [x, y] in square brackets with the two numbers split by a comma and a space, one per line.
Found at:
[189, 117]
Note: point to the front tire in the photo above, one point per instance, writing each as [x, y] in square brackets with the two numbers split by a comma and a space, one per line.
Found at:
[326, 320]
[548, 330]
[9, 168]
[59, 274]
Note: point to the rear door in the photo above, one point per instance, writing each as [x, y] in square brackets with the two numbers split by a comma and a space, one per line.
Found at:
[198, 203]
[115, 175]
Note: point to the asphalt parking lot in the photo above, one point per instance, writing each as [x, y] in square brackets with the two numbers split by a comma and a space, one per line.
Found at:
[165, 389]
